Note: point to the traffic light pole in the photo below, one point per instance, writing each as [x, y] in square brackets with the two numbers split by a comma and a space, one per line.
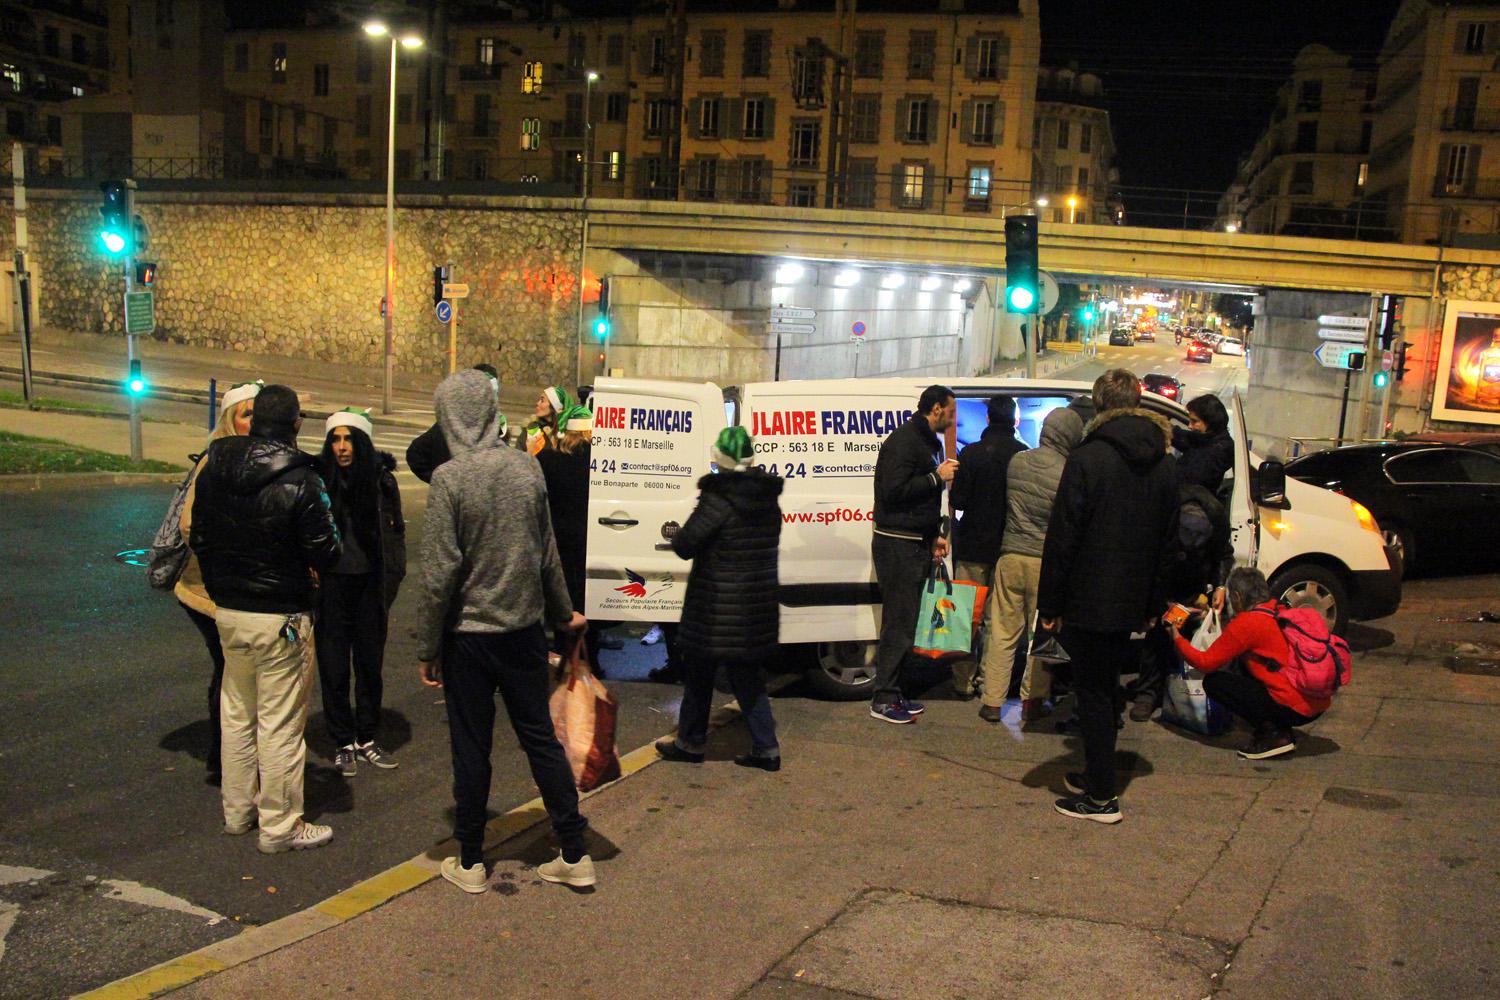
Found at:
[137, 452]
[22, 276]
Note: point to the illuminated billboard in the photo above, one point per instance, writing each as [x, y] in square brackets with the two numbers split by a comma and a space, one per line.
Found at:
[1468, 387]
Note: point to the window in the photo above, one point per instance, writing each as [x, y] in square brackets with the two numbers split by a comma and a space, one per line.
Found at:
[913, 192]
[1473, 38]
[864, 123]
[1363, 176]
[362, 158]
[991, 58]
[278, 62]
[657, 63]
[757, 56]
[921, 55]
[614, 107]
[403, 164]
[15, 121]
[705, 179]
[577, 51]
[364, 64]
[807, 77]
[1366, 133]
[614, 50]
[1086, 137]
[754, 179]
[573, 114]
[802, 194]
[982, 128]
[1310, 95]
[979, 184]
[77, 91]
[479, 164]
[1455, 167]
[1063, 137]
[80, 49]
[1302, 178]
[54, 130]
[484, 52]
[918, 120]
[1307, 137]
[1064, 178]
[708, 118]
[362, 116]
[869, 55]
[859, 186]
[754, 125]
[1483, 469]
[14, 77]
[482, 115]
[806, 133]
[165, 15]
[1437, 465]
[51, 44]
[531, 134]
[531, 79]
[320, 80]
[655, 117]
[1083, 178]
[612, 165]
[330, 136]
[711, 53]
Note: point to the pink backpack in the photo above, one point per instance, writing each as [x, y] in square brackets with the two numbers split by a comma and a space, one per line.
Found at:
[1318, 663]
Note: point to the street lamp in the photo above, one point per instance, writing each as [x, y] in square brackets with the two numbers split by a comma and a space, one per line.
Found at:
[1072, 208]
[1231, 227]
[1040, 201]
[590, 78]
[378, 29]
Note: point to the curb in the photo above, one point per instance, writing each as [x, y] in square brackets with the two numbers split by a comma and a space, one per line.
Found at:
[48, 481]
[362, 897]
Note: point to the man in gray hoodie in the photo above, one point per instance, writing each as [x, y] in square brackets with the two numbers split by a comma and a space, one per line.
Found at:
[490, 573]
[1030, 483]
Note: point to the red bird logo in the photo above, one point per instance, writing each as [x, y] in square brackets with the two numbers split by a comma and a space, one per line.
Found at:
[637, 585]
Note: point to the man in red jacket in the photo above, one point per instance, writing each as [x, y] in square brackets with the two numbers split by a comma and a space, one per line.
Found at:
[1260, 693]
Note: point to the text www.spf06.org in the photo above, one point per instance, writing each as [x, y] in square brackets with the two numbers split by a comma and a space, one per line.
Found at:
[837, 516]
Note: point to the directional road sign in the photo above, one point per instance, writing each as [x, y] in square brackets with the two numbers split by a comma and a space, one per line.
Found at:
[1353, 322]
[1346, 334]
[1333, 354]
[455, 290]
[444, 311]
[792, 313]
[140, 313]
[791, 328]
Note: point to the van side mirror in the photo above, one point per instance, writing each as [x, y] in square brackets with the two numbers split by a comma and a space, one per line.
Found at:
[1269, 486]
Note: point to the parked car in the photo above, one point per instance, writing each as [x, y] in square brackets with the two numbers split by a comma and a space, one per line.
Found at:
[1441, 503]
[1122, 336]
[1230, 345]
[1197, 350]
[1163, 385]
[1483, 440]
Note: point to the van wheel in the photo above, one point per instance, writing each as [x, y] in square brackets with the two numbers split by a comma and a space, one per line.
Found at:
[1308, 585]
[843, 671]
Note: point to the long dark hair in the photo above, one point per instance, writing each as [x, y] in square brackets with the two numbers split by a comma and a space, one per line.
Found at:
[353, 491]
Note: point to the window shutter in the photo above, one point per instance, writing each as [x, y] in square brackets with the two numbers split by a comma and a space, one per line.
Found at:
[934, 119]
[695, 118]
[926, 183]
[1460, 37]
[769, 106]
[643, 55]
[731, 117]
[1002, 57]
[767, 183]
[1472, 167]
[903, 111]
[971, 58]
[1445, 156]
[966, 122]
[999, 122]
[896, 177]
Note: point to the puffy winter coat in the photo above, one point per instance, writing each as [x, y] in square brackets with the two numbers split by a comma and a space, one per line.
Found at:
[426, 452]
[1205, 457]
[260, 521]
[568, 501]
[1031, 483]
[731, 610]
[979, 491]
[1113, 531]
[908, 492]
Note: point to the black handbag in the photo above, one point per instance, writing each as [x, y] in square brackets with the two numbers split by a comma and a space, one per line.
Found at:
[1044, 645]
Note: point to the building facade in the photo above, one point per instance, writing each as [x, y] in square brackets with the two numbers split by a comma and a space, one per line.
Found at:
[1073, 150]
[50, 53]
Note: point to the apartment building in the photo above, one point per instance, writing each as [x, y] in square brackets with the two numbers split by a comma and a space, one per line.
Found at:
[1308, 174]
[51, 51]
[1073, 150]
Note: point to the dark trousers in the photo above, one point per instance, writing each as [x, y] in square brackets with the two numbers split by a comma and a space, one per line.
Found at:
[1158, 656]
[1098, 658]
[475, 666]
[210, 633]
[901, 568]
[749, 689]
[1248, 698]
[351, 628]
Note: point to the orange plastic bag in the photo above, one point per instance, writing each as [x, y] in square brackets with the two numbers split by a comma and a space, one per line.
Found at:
[584, 715]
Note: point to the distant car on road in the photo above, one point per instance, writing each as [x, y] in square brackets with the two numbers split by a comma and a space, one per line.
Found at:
[1197, 350]
[1440, 502]
[1122, 336]
[1163, 385]
[1230, 345]
[1146, 333]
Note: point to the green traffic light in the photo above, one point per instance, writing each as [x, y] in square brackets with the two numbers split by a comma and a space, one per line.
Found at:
[137, 386]
[114, 242]
[1088, 314]
[601, 328]
[1382, 379]
[1021, 298]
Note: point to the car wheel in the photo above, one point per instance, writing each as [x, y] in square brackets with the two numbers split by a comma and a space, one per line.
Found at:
[843, 671]
[1308, 585]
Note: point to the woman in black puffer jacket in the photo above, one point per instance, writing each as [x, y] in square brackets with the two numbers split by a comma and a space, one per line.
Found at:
[731, 613]
[1207, 450]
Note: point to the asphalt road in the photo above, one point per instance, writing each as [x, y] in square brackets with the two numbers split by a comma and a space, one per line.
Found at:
[102, 760]
[1224, 374]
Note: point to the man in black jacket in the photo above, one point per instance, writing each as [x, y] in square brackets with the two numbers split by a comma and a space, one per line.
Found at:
[909, 478]
[262, 529]
[1104, 569]
[429, 450]
[979, 491]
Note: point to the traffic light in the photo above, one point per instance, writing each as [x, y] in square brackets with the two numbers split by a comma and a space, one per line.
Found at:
[1390, 315]
[440, 276]
[117, 228]
[1088, 314]
[1021, 287]
[1382, 379]
[1398, 363]
[145, 273]
[601, 322]
[135, 383]
[1356, 361]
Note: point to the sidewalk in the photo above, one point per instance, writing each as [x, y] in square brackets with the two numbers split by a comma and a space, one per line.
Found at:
[925, 861]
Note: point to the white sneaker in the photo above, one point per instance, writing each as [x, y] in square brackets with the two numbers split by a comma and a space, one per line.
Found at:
[580, 874]
[652, 637]
[305, 837]
[471, 879]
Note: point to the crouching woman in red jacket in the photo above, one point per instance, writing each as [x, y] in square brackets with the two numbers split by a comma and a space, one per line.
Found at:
[1255, 687]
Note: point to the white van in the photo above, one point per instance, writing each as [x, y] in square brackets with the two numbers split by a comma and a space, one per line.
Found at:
[651, 443]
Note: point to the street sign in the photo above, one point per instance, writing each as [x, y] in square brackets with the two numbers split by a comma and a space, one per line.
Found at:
[792, 312]
[1342, 333]
[140, 313]
[1049, 291]
[857, 331]
[444, 310]
[1353, 322]
[1333, 354]
[791, 328]
[455, 290]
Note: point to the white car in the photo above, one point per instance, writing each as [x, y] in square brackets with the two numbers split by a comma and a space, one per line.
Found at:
[1230, 345]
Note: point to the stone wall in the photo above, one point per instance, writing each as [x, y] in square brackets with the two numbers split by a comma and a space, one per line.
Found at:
[302, 275]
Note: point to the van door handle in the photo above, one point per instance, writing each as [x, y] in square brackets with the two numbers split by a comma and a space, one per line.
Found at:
[619, 522]
[664, 546]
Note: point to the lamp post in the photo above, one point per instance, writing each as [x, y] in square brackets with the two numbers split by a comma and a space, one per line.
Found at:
[1072, 209]
[590, 78]
[378, 29]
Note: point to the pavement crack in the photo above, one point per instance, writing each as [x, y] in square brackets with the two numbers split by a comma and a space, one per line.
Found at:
[965, 765]
[1380, 707]
[1219, 856]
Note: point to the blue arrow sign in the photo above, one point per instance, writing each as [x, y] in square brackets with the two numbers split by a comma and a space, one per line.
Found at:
[444, 311]
[1335, 354]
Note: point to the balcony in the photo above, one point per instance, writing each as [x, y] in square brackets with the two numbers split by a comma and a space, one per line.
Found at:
[480, 72]
[1470, 119]
[1487, 188]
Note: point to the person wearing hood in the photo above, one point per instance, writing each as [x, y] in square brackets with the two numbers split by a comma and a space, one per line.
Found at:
[1207, 450]
[1104, 570]
[262, 529]
[356, 595]
[490, 579]
[543, 430]
[428, 450]
[1030, 486]
[235, 410]
[731, 612]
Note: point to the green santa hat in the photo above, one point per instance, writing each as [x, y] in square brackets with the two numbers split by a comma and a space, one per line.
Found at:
[558, 397]
[350, 416]
[576, 418]
[733, 449]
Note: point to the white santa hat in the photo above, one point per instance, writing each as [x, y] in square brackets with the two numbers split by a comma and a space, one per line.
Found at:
[350, 417]
[238, 394]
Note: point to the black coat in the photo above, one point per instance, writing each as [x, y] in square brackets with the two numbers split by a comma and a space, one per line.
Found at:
[731, 611]
[384, 537]
[1205, 457]
[1113, 534]
[908, 492]
[260, 521]
[426, 452]
[979, 491]
[1205, 552]
[568, 501]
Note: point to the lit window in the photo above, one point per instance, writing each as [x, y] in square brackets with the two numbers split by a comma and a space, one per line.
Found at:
[979, 183]
[531, 133]
[16, 78]
[531, 80]
[913, 184]
[612, 165]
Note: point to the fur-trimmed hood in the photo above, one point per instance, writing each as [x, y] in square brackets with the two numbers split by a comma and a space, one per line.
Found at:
[1142, 437]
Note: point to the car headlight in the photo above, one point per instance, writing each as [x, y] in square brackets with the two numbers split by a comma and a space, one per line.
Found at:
[1364, 517]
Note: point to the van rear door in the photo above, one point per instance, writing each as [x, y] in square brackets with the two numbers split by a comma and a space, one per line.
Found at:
[650, 447]
[1243, 514]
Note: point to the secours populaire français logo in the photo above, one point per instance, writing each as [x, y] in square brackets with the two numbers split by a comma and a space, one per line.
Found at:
[636, 585]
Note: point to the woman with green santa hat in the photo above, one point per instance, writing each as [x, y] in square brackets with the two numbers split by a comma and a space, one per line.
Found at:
[730, 614]
[355, 597]
[543, 430]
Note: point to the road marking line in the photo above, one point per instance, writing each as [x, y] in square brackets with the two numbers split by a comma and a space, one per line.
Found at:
[134, 892]
[8, 914]
[12, 874]
[373, 891]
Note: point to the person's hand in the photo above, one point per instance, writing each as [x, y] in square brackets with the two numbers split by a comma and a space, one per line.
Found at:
[430, 673]
[947, 470]
[939, 549]
[1050, 624]
[317, 581]
[575, 624]
[1218, 599]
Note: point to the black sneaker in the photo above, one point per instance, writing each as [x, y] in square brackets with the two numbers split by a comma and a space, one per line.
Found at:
[1075, 781]
[345, 761]
[913, 708]
[1142, 708]
[1272, 745]
[989, 713]
[374, 755]
[669, 750]
[1083, 807]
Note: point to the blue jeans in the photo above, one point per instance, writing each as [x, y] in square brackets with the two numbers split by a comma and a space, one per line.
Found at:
[749, 690]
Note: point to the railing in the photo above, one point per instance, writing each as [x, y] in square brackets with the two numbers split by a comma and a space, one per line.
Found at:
[1475, 187]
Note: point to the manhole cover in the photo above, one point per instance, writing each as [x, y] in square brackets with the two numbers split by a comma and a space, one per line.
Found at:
[134, 557]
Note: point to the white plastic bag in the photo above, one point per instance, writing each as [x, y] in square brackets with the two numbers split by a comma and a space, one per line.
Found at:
[1185, 703]
[1208, 633]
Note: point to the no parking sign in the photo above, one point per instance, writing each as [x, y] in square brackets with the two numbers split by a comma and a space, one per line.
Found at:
[857, 331]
